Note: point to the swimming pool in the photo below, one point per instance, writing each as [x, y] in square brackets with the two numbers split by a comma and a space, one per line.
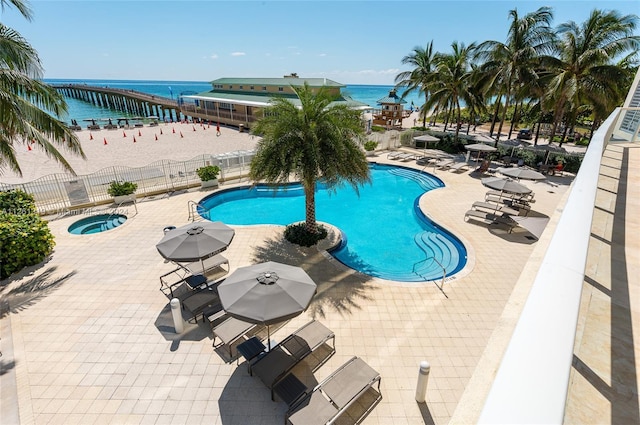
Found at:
[384, 232]
[97, 224]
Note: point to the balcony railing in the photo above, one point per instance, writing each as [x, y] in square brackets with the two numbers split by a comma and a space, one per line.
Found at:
[532, 381]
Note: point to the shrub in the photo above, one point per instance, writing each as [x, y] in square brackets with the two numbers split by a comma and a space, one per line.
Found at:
[378, 129]
[121, 188]
[370, 145]
[298, 234]
[17, 202]
[209, 172]
[25, 239]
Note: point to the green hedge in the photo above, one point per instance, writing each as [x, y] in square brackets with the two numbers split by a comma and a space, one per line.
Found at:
[25, 239]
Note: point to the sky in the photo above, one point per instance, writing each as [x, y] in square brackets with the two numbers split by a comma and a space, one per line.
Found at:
[350, 42]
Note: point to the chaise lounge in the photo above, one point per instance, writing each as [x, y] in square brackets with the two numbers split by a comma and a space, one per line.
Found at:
[279, 360]
[335, 394]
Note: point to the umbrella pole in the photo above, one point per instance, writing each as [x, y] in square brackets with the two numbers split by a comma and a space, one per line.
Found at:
[268, 339]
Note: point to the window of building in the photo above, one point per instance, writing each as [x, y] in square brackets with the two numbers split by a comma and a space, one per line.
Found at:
[230, 86]
[227, 106]
[280, 88]
[252, 87]
[241, 87]
[264, 88]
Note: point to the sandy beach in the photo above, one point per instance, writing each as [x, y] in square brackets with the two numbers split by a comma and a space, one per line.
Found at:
[188, 141]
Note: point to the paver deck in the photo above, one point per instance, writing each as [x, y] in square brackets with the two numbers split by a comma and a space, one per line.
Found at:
[88, 337]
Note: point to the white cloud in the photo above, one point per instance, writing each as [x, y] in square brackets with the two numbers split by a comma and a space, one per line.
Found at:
[322, 55]
[214, 56]
[238, 54]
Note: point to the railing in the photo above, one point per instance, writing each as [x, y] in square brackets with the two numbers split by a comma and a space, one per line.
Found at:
[60, 192]
[192, 206]
[532, 381]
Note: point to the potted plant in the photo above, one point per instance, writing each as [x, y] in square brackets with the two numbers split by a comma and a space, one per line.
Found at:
[122, 191]
[370, 147]
[208, 175]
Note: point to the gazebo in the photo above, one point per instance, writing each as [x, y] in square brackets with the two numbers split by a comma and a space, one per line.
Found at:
[391, 111]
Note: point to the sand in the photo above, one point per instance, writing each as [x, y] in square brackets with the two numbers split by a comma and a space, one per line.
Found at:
[188, 141]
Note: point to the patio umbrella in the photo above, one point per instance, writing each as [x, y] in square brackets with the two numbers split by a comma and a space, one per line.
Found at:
[522, 173]
[479, 147]
[195, 241]
[266, 293]
[505, 185]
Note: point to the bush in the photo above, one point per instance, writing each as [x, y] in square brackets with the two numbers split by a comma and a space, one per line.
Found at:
[378, 129]
[370, 145]
[25, 239]
[17, 202]
[121, 188]
[298, 234]
[209, 172]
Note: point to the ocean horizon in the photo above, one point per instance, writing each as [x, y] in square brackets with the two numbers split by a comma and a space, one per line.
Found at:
[172, 89]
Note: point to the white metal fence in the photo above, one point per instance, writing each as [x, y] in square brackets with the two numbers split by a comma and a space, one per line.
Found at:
[60, 192]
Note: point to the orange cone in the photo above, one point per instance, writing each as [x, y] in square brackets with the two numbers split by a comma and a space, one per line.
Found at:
[181, 136]
[90, 136]
[160, 131]
[28, 147]
[139, 133]
[174, 130]
[124, 134]
[156, 137]
[134, 139]
[194, 128]
[105, 140]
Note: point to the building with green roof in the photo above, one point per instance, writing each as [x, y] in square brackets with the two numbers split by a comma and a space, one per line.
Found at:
[237, 101]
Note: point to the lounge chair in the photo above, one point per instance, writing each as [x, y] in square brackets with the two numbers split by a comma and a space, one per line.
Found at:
[279, 360]
[490, 218]
[489, 206]
[231, 330]
[333, 396]
[484, 167]
[458, 166]
[394, 154]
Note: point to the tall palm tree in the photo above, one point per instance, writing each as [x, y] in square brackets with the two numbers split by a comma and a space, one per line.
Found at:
[315, 141]
[25, 100]
[585, 71]
[512, 63]
[420, 77]
[453, 81]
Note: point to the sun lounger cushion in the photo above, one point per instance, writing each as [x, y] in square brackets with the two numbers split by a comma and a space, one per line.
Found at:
[335, 394]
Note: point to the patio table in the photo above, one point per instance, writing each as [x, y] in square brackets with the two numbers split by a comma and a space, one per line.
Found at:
[200, 300]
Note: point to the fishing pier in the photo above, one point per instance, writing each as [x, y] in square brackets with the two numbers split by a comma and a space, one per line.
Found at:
[124, 100]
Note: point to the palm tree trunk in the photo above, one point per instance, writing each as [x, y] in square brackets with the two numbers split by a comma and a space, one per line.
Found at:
[424, 113]
[514, 119]
[504, 114]
[457, 119]
[495, 115]
[535, 141]
[310, 208]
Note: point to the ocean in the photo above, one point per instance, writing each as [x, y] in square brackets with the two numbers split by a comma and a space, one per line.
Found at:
[80, 110]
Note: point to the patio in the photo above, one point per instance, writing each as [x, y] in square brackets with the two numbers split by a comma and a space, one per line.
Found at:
[91, 343]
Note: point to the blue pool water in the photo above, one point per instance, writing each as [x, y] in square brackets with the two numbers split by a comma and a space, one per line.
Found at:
[386, 235]
[97, 224]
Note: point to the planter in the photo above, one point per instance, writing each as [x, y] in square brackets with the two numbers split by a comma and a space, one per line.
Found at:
[124, 198]
[370, 153]
[209, 183]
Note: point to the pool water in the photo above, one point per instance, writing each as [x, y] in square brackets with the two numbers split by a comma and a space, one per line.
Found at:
[97, 224]
[384, 232]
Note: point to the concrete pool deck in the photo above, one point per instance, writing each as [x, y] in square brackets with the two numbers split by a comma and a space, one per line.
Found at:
[87, 336]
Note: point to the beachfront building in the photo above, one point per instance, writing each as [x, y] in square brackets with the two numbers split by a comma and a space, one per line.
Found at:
[391, 111]
[237, 101]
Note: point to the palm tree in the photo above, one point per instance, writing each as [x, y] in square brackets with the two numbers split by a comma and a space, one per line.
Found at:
[24, 100]
[453, 81]
[585, 71]
[420, 77]
[313, 141]
[512, 63]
